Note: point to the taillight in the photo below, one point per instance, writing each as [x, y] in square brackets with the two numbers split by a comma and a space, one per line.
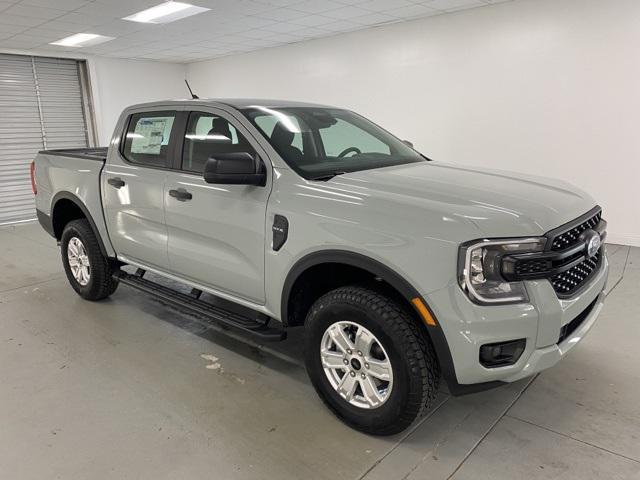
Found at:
[32, 170]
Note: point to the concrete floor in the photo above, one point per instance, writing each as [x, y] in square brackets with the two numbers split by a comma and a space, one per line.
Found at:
[120, 389]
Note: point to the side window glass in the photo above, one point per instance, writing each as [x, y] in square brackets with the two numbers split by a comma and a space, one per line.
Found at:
[267, 124]
[208, 135]
[147, 139]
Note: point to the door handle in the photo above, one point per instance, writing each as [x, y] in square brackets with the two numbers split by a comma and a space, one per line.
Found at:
[180, 194]
[116, 182]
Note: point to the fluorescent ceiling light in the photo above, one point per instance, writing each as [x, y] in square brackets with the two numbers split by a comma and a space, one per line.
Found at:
[166, 12]
[82, 40]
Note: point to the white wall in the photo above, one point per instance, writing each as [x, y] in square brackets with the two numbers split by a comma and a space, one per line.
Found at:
[117, 83]
[549, 87]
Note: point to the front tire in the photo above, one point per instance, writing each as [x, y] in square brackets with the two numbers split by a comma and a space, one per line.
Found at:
[368, 360]
[89, 272]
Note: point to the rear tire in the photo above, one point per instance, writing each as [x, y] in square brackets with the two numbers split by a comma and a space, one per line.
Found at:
[378, 331]
[89, 272]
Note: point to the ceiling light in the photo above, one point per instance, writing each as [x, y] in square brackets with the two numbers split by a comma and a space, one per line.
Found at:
[166, 12]
[82, 40]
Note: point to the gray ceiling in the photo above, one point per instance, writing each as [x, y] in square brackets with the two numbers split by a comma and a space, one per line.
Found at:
[230, 27]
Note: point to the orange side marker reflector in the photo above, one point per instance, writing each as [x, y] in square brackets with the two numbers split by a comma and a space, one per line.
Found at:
[424, 311]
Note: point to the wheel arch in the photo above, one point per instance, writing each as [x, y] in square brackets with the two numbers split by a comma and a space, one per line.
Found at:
[345, 258]
[405, 290]
[65, 207]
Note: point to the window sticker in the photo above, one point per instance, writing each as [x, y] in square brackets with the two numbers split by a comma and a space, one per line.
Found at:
[150, 135]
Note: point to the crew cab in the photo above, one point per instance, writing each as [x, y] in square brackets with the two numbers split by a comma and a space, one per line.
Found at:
[402, 270]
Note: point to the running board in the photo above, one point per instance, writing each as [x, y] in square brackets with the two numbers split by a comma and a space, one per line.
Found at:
[191, 303]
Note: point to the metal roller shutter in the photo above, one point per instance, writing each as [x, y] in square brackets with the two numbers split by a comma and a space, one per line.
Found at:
[61, 103]
[41, 106]
[20, 136]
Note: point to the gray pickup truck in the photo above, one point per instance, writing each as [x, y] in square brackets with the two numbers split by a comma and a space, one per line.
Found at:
[402, 270]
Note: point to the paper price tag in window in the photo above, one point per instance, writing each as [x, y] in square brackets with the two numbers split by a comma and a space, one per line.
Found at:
[149, 135]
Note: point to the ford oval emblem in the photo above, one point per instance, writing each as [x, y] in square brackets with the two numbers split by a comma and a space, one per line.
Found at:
[592, 242]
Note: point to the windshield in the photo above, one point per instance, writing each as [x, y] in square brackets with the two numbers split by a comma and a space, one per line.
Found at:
[321, 142]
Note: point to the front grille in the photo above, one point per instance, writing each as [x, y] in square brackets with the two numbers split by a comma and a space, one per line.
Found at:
[531, 267]
[564, 261]
[573, 325]
[571, 237]
[568, 282]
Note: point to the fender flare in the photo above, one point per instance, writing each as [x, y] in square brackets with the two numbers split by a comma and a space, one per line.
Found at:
[64, 195]
[347, 258]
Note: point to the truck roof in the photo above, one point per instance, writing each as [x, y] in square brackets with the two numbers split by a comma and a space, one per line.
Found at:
[232, 102]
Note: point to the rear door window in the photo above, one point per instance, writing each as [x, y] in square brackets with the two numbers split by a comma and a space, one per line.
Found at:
[148, 138]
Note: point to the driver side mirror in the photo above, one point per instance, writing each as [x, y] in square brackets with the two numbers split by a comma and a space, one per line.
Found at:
[237, 168]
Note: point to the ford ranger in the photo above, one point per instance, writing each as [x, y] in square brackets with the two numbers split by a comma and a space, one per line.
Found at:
[402, 270]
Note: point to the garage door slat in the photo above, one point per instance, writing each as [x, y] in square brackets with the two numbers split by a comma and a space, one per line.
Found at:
[59, 113]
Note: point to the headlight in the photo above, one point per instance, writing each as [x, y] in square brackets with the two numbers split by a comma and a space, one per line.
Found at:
[480, 269]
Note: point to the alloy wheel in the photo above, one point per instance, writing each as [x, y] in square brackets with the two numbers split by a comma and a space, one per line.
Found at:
[356, 364]
[78, 261]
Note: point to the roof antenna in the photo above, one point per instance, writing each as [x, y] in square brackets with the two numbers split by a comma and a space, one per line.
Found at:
[193, 95]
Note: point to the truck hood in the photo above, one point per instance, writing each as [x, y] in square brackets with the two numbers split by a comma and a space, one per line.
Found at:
[498, 203]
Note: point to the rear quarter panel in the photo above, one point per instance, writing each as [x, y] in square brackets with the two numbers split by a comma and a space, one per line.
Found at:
[59, 175]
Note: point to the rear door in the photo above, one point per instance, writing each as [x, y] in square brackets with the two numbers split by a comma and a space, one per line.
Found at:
[217, 236]
[133, 184]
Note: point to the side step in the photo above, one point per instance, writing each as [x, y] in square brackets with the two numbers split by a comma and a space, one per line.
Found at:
[191, 303]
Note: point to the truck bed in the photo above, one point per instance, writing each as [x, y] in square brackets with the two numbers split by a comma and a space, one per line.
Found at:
[98, 153]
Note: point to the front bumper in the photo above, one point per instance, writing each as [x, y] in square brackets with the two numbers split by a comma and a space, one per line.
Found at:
[467, 326]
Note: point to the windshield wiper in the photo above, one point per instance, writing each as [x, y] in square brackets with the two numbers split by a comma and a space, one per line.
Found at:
[327, 176]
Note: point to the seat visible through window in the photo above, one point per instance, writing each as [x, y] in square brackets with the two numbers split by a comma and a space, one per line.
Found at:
[282, 141]
[207, 136]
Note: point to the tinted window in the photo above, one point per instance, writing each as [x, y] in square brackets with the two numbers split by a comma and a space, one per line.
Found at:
[268, 122]
[342, 136]
[317, 141]
[147, 138]
[208, 135]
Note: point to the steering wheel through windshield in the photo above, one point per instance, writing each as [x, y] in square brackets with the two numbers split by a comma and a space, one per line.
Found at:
[349, 150]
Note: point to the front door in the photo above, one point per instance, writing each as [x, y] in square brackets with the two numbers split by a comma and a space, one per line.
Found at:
[216, 232]
[133, 188]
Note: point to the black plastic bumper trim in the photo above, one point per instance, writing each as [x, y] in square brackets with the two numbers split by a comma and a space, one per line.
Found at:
[45, 221]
